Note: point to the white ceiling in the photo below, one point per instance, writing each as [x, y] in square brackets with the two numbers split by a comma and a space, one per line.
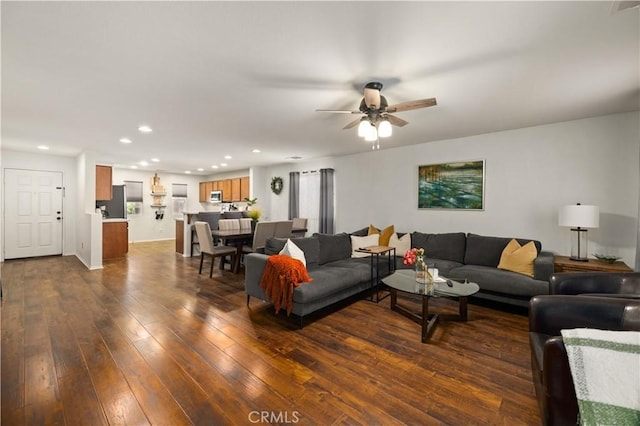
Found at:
[223, 78]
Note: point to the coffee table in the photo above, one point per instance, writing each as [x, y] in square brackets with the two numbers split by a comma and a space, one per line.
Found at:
[403, 280]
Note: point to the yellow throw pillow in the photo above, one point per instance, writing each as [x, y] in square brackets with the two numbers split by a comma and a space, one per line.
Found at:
[385, 234]
[517, 258]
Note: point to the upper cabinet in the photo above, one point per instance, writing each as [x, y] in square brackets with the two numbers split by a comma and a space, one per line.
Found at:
[103, 183]
[236, 189]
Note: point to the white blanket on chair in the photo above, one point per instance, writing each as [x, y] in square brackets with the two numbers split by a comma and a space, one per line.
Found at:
[605, 366]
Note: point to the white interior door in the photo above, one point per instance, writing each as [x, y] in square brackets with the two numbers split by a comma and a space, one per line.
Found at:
[32, 213]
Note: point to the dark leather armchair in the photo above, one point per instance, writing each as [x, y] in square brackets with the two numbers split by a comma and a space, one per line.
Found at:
[625, 284]
[549, 363]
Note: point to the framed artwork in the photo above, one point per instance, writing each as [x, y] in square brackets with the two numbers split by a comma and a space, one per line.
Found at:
[451, 186]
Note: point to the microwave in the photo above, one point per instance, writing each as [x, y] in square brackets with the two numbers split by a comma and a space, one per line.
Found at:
[215, 197]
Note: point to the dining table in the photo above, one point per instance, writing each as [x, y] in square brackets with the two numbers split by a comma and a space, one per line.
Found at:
[239, 237]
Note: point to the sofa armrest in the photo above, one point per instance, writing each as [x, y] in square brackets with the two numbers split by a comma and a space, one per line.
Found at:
[594, 282]
[549, 314]
[543, 266]
[254, 264]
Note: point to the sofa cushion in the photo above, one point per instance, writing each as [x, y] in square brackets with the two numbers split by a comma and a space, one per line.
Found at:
[363, 232]
[327, 280]
[333, 247]
[486, 251]
[310, 247]
[385, 234]
[499, 281]
[362, 242]
[448, 246]
[401, 244]
[517, 258]
[292, 250]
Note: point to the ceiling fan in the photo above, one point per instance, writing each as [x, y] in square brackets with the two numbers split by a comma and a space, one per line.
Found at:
[377, 112]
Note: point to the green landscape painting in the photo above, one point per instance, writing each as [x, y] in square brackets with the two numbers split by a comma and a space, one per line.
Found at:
[451, 186]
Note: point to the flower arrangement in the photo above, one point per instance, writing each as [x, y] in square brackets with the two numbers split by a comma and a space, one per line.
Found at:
[413, 256]
[254, 213]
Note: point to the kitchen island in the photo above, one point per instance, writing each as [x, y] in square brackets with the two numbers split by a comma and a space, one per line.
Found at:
[115, 238]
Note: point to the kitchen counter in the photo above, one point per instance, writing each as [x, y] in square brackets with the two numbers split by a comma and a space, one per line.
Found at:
[115, 219]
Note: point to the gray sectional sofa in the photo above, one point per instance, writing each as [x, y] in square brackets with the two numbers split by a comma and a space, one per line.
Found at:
[337, 276]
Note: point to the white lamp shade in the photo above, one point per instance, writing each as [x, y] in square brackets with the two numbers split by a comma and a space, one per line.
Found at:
[371, 134]
[363, 127]
[384, 129]
[579, 215]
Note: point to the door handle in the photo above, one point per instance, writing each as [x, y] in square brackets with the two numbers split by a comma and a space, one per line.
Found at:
[59, 218]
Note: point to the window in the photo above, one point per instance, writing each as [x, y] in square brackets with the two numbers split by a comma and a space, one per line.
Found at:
[310, 199]
[179, 200]
[134, 197]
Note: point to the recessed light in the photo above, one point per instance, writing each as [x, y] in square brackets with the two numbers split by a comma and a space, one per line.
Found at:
[143, 163]
[255, 151]
[145, 129]
[125, 140]
[188, 172]
[214, 167]
[43, 147]
[227, 157]
[155, 160]
[134, 167]
[223, 164]
[200, 169]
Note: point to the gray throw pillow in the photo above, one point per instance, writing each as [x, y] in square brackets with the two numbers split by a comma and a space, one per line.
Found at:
[334, 247]
[447, 246]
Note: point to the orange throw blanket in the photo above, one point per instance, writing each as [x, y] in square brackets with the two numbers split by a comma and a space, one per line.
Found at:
[279, 278]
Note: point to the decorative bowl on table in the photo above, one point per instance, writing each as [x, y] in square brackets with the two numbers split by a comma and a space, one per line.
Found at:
[607, 258]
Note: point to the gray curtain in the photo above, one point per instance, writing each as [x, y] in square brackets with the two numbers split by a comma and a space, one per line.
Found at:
[326, 225]
[294, 194]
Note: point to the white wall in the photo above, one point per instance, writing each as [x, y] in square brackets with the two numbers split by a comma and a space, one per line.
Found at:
[145, 227]
[530, 174]
[65, 165]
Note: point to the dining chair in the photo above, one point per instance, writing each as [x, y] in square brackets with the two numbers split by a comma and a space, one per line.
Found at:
[263, 231]
[299, 223]
[245, 223]
[203, 230]
[228, 224]
[283, 229]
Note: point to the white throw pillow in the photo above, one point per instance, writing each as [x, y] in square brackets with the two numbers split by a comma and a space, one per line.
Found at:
[361, 242]
[402, 245]
[292, 250]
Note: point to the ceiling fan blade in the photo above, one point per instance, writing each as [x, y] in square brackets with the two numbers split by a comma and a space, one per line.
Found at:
[406, 106]
[352, 124]
[396, 121]
[339, 111]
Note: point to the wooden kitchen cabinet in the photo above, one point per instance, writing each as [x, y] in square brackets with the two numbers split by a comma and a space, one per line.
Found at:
[103, 183]
[115, 239]
[226, 191]
[235, 189]
[244, 187]
[203, 197]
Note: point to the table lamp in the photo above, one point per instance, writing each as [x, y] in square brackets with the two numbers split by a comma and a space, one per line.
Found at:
[578, 217]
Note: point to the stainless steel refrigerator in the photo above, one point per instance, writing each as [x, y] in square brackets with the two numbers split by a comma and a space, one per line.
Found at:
[116, 207]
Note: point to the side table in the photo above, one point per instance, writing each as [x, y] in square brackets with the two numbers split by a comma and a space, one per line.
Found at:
[564, 264]
[376, 252]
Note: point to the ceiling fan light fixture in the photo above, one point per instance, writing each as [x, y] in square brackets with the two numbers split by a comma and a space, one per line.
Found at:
[372, 134]
[384, 129]
[363, 127]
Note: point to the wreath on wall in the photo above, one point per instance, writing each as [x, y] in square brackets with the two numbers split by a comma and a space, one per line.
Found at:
[276, 185]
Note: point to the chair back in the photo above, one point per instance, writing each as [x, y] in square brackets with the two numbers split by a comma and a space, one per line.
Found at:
[245, 224]
[283, 229]
[228, 224]
[232, 215]
[211, 217]
[299, 222]
[203, 231]
[263, 231]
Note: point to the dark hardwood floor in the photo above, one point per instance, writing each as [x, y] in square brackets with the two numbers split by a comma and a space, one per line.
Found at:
[147, 340]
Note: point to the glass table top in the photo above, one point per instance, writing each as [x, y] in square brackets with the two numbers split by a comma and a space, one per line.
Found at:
[404, 280]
